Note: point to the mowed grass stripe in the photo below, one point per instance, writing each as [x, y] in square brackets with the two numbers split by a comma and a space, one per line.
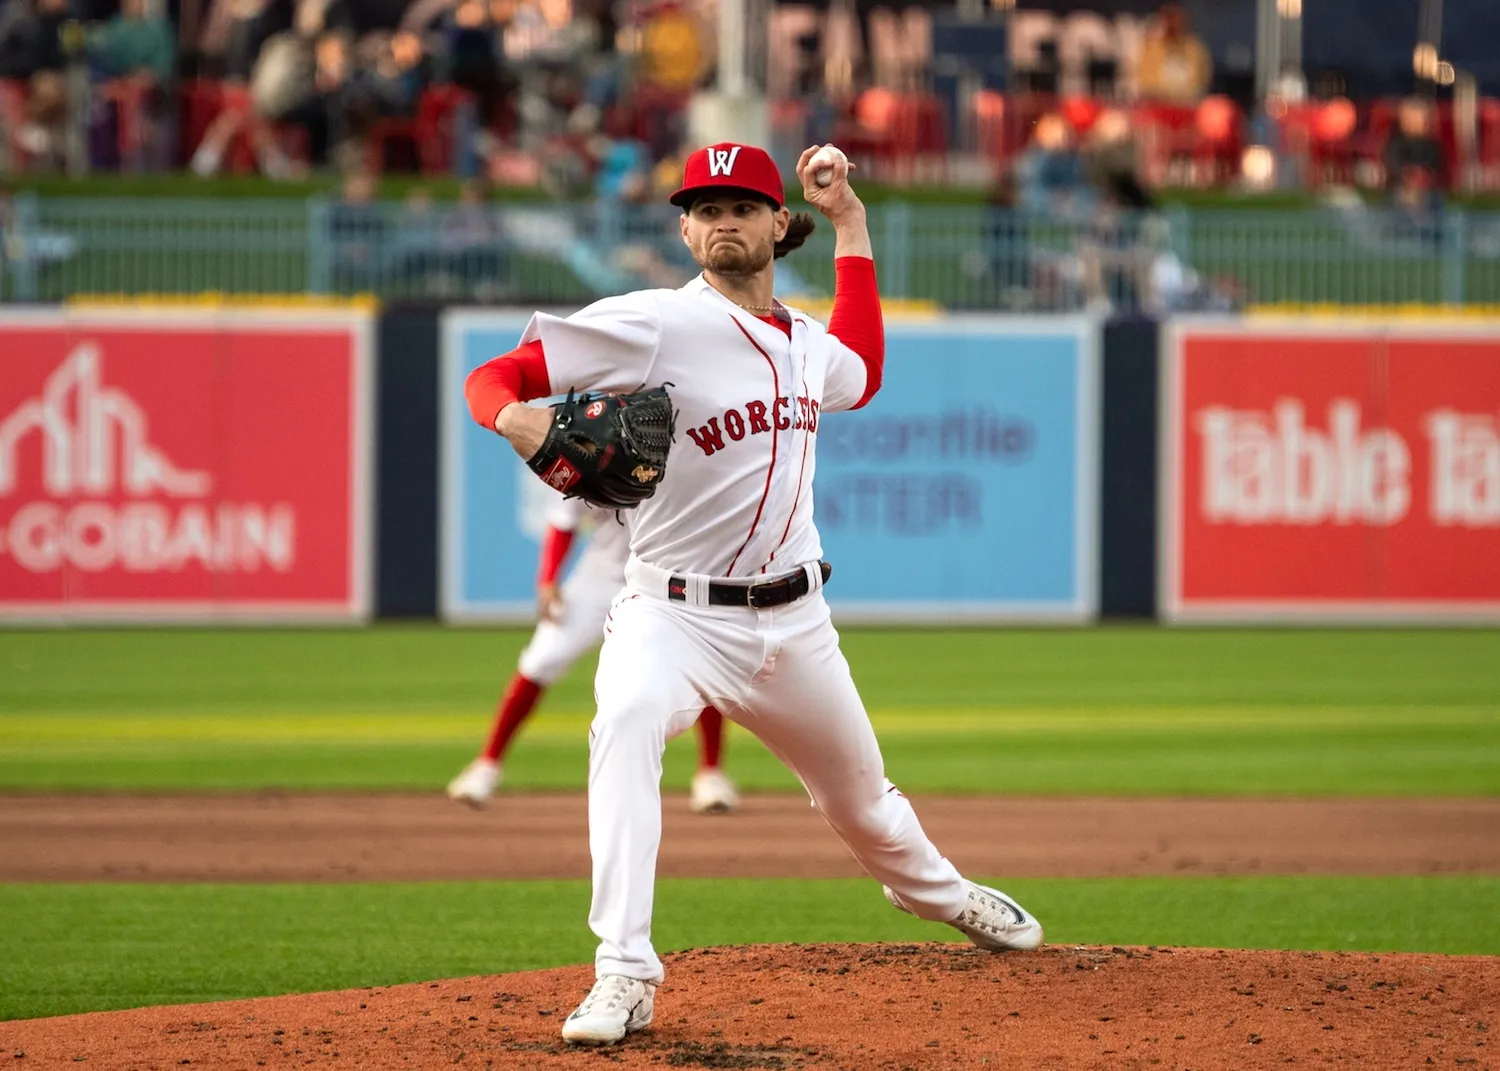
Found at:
[1417, 758]
[24, 731]
[429, 670]
[73, 948]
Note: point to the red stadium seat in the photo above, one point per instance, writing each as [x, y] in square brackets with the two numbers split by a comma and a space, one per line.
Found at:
[434, 128]
[989, 109]
[1165, 134]
[1220, 128]
[917, 136]
[1489, 143]
[1322, 135]
[199, 102]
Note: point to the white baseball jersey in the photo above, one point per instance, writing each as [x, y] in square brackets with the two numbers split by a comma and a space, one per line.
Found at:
[737, 497]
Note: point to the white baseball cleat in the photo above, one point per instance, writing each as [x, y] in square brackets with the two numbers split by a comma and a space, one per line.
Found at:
[476, 784]
[714, 792]
[990, 919]
[616, 1006]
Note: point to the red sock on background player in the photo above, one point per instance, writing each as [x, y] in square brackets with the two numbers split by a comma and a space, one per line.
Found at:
[710, 739]
[515, 707]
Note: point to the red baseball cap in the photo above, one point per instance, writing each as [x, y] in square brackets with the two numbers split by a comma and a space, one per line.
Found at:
[728, 165]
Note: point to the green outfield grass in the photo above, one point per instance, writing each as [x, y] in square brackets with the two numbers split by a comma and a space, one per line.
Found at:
[1137, 711]
[70, 948]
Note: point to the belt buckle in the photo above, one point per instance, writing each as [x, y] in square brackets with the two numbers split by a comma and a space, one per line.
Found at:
[753, 593]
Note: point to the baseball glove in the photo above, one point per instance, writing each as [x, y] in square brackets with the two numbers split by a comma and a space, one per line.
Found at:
[608, 449]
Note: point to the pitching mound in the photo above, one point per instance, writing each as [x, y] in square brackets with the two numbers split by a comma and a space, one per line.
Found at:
[851, 1006]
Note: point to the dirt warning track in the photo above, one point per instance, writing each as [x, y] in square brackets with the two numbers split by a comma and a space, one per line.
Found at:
[296, 837]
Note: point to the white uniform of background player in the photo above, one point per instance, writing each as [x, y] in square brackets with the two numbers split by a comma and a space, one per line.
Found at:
[570, 626]
[596, 578]
[731, 521]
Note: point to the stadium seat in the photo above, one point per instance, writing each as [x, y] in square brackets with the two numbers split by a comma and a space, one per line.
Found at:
[199, 101]
[434, 127]
[383, 132]
[1489, 143]
[1220, 128]
[1165, 133]
[989, 110]
[1321, 134]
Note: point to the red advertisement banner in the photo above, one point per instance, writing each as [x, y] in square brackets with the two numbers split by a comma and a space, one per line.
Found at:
[1331, 473]
[183, 466]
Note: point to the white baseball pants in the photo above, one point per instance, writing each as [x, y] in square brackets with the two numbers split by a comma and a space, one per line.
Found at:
[556, 645]
[779, 673]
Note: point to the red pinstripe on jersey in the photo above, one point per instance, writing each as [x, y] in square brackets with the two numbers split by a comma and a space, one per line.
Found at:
[766, 491]
[801, 473]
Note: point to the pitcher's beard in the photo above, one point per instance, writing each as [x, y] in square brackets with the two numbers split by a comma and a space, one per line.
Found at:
[735, 261]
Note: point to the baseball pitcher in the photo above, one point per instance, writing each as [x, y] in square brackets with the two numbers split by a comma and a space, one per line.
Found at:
[701, 411]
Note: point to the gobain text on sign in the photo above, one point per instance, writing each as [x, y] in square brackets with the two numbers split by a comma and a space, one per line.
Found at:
[1326, 473]
[182, 467]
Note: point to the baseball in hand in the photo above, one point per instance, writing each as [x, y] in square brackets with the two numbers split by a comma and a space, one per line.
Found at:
[822, 163]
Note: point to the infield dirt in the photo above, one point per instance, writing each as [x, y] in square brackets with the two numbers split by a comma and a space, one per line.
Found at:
[294, 837]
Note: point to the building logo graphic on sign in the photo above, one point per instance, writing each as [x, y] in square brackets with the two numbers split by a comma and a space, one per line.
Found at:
[95, 448]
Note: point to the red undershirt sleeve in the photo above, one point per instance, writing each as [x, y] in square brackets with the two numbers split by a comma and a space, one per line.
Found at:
[856, 319]
[555, 546]
[517, 376]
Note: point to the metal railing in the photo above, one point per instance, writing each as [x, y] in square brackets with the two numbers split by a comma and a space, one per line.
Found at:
[958, 257]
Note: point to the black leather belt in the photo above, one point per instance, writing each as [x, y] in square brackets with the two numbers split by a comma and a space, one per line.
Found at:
[773, 591]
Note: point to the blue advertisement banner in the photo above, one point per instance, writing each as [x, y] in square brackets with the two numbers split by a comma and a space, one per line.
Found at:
[967, 489]
[492, 506]
[965, 492]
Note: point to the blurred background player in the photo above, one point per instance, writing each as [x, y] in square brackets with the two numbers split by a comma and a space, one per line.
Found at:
[571, 622]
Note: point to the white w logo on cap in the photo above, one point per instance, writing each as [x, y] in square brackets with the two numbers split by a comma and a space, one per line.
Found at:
[721, 161]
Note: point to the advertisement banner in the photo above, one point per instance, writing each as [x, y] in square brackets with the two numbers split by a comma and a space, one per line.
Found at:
[966, 491]
[184, 464]
[1338, 472]
[492, 506]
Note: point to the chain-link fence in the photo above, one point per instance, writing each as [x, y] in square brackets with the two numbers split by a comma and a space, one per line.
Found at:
[960, 257]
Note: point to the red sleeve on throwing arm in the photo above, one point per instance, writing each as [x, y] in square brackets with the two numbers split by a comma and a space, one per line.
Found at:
[517, 376]
[555, 545]
[856, 320]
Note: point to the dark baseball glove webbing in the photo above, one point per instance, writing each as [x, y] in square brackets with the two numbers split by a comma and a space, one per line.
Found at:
[608, 449]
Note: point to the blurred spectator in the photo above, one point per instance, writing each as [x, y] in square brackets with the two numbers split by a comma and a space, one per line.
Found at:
[1112, 163]
[136, 51]
[386, 79]
[20, 39]
[138, 43]
[475, 62]
[236, 31]
[1175, 65]
[1050, 174]
[550, 33]
[34, 49]
[296, 75]
[1414, 159]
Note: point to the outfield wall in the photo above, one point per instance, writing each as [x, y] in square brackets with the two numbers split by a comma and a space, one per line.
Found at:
[219, 464]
